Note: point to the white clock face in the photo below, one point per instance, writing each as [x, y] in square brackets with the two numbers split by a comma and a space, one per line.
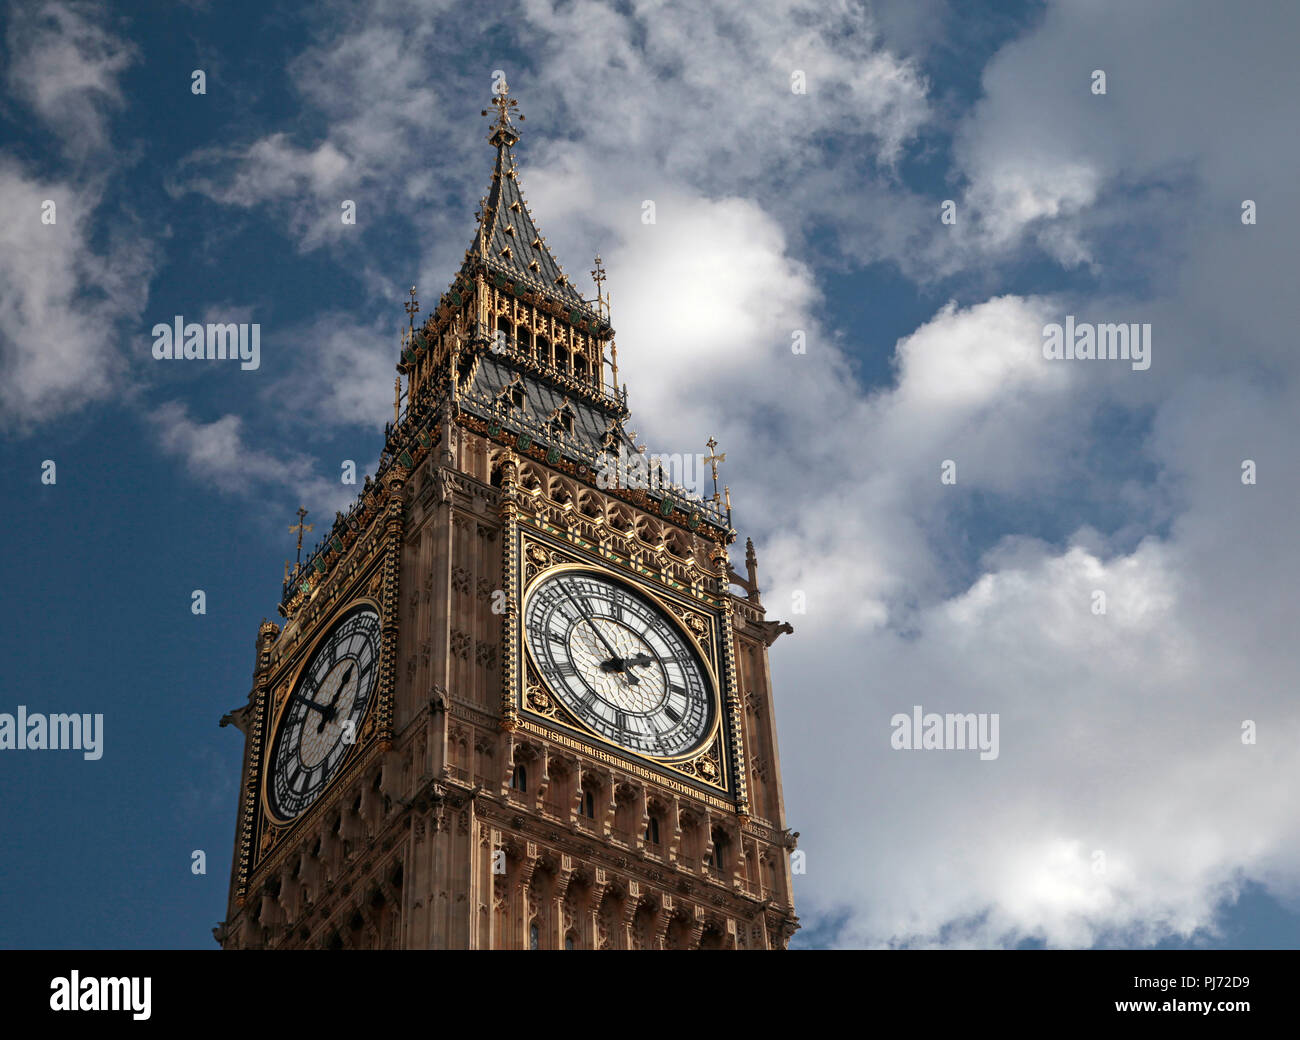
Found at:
[619, 664]
[321, 722]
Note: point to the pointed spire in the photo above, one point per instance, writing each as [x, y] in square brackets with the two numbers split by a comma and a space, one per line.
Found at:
[507, 239]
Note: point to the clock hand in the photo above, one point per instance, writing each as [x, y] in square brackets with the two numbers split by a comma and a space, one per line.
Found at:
[618, 661]
[328, 714]
[628, 662]
[295, 696]
[342, 683]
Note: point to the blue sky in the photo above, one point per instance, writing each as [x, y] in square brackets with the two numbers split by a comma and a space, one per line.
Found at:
[776, 211]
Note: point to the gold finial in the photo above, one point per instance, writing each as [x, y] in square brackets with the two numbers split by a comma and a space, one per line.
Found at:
[502, 131]
[412, 309]
[598, 276]
[300, 527]
[613, 362]
[713, 460]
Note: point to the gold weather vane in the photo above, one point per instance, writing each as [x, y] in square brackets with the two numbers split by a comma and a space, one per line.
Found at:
[412, 309]
[598, 276]
[300, 527]
[503, 103]
[713, 460]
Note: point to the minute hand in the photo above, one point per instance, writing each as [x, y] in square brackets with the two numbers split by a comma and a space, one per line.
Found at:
[599, 635]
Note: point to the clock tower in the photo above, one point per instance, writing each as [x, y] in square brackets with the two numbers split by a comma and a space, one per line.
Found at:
[520, 698]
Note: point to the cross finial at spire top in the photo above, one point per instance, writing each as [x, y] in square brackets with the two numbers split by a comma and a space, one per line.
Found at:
[502, 130]
[598, 276]
[713, 459]
[412, 309]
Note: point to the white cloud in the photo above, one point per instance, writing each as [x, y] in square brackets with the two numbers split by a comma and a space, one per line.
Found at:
[62, 302]
[66, 293]
[217, 453]
[65, 66]
[343, 373]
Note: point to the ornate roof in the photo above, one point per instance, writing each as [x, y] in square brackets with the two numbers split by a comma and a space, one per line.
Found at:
[591, 430]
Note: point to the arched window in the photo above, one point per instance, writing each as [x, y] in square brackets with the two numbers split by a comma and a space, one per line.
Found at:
[525, 339]
[519, 778]
[561, 359]
[718, 858]
[532, 936]
[587, 804]
[652, 831]
[569, 943]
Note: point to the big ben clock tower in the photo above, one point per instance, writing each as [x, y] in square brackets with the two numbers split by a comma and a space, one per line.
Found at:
[518, 699]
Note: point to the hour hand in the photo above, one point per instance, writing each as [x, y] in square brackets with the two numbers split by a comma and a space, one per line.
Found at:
[339, 689]
[328, 714]
[322, 708]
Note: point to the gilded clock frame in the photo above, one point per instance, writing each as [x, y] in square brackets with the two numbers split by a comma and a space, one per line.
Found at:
[281, 704]
[367, 568]
[711, 677]
[716, 753]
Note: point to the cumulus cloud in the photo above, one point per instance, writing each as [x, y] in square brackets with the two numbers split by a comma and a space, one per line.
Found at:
[342, 373]
[368, 78]
[218, 453]
[68, 293]
[65, 63]
[63, 302]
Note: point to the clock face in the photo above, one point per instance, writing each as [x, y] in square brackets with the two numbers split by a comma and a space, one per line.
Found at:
[322, 718]
[619, 663]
